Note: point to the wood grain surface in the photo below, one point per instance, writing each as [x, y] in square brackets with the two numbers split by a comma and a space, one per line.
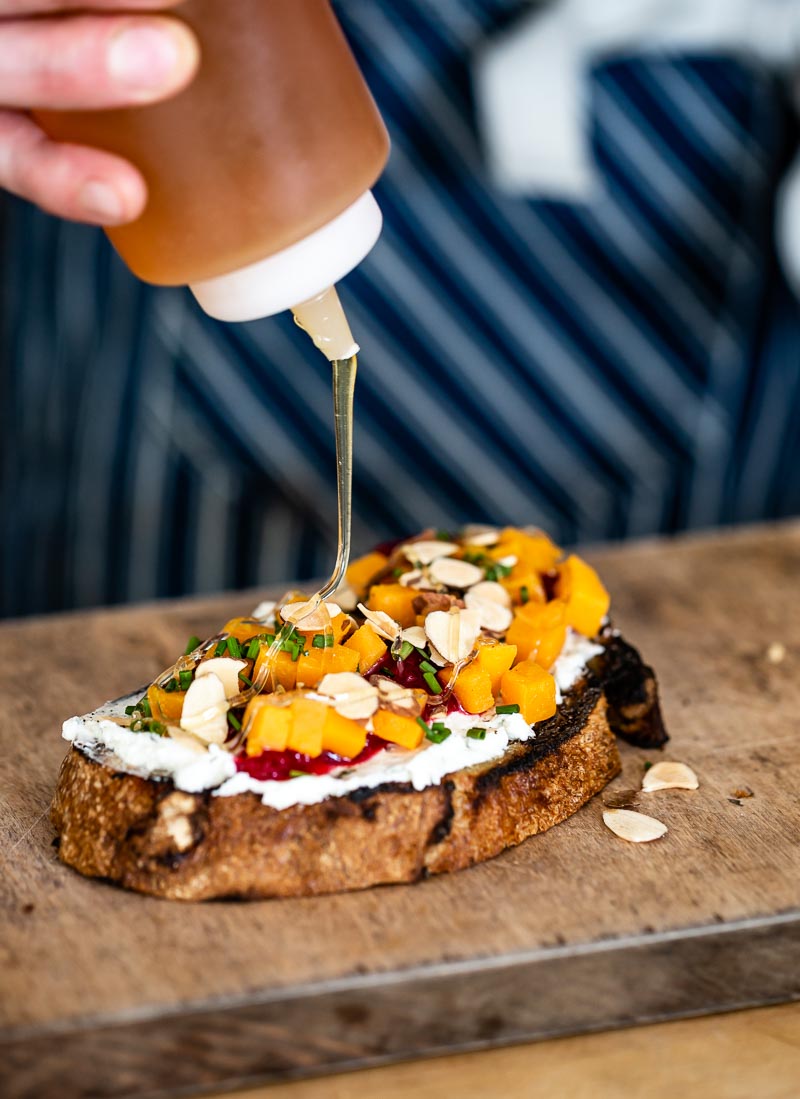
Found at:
[108, 994]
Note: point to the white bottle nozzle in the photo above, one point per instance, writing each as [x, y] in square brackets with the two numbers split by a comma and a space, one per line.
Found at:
[323, 319]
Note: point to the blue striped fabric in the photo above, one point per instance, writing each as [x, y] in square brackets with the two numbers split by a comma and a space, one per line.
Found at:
[608, 370]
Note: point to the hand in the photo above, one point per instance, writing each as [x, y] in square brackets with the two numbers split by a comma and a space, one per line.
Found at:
[53, 60]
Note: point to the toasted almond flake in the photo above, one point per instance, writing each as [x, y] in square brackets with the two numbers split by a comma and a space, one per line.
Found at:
[776, 653]
[453, 633]
[345, 597]
[352, 695]
[395, 697]
[309, 616]
[509, 561]
[475, 535]
[226, 670]
[454, 573]
[634, 827]
[489, 589]
[409, 579]
[384, 625]
[265, 612]
[669, 776]
[493, 616]
[415, 635]
[204, 709]
[422, 553]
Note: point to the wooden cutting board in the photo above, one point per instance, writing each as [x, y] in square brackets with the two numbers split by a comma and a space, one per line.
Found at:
[106, 993]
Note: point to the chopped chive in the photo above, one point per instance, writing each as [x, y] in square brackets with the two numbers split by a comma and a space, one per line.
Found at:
[406, 649]
[387, 672]
[191, 644]
[244, 679]
[426, 666]
[512, 708]
[524, 594]
[253, 649]
[144, 706]
[172, 685]
[398, 572]
[438, 732]
[503, 570]
[234, 648]
[157, 727]
[444, 536]
[234, 721]
[647, 763]
[137, 725]
[129, 710]
[323, 641]
[423, 725]
[476, 733]
[222, 648]
[185, 679]
[298, 774]
[433, 683]
[267, 638]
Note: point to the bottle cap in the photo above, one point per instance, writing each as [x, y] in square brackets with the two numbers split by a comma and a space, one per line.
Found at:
[298, 273]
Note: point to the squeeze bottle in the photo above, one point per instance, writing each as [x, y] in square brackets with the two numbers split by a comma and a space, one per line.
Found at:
[259, 172]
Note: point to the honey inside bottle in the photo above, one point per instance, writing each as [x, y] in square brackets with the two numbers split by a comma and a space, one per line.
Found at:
[277, 135]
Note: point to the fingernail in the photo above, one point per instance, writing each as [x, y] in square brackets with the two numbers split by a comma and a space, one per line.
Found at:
[101, 202]
[143, 59]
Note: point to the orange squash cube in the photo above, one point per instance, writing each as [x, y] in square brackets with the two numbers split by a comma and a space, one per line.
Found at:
[243, 628]
[166, 706]
[536, 552]
[308, 722]
[394, 600]
[342, 736]
[344, 659]
[495, 658]
[583, 592]
[473, 687]
[532, 689]
[267, 725]
[283, 671]
[539, 631]
[524, 586]
[312, 665]
[369, 647]
[361, 571]
[398, 729]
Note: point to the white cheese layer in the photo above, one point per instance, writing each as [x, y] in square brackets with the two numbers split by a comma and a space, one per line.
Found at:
[195, 769]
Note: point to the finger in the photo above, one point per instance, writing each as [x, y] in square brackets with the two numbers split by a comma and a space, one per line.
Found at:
[68, 180]
[13, 8]
[91, 62]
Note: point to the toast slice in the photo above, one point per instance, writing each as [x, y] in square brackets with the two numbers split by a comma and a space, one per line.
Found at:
[146, 834]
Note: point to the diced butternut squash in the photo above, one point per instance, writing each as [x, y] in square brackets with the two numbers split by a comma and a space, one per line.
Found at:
[308, 723]
[284, 670]
[473, 687]
[165, 705]
[523, 585]
[267, 724]
[536, 552]
[342, 736]
[539, 631]
[369, 647]
[344, 659]
[394, 600]
[243, 628]
[361, 571]
[532, 689]
[398, 729]
[495, 658]
[314, 663]
[586, 599]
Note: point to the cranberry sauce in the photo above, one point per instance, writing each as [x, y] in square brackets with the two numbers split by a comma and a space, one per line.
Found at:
[279, 765]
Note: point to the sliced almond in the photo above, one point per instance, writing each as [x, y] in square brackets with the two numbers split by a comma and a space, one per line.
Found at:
[345, 597]
[409, 579]
[422, 553]
[205, 708]
[395, 697]
[352, 695]
[489, 589]
[476, 535]
[310, 616]
[669, 776]
[415, 635]
[634, 827]
[453, 633]
[265, 612]
[493, 616]
[383, 624]
[509, 561]
[776, 652]
[226, 670]
[454, 573]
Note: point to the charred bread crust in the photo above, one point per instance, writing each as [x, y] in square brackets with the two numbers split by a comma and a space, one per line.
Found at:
[146, 835]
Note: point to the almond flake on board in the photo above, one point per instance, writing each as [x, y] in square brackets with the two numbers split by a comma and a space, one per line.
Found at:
[423, 553]
[453, 633]
[633, 827]
[352, 696]
[776, 653]
[454, 573]
[309, 616]
[383, 624]
[225, 669]
[669, 776]
[205, 709]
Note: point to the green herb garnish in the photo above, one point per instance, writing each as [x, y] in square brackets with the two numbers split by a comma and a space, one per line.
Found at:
[423, 725]
[244, 679]
[191, 644]
[129, 710]
[172, 685]
[426, 666]
[298, 774]
[322, 641]
[185, 679]
[406, 649]
[476, 733]
[512, 708]
[144, 705]
[433, 683]
[438, 732]
[222, 648]
[234, 648]
[524, 594]
[234, 721]
[253, 649]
